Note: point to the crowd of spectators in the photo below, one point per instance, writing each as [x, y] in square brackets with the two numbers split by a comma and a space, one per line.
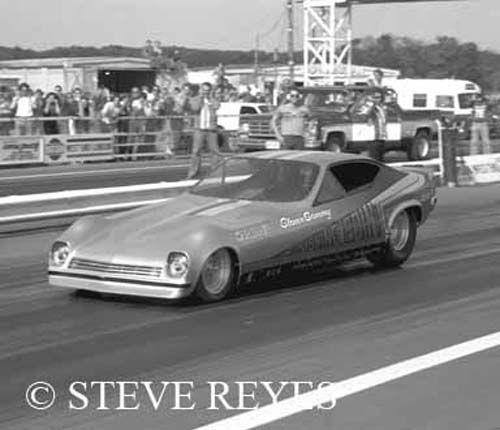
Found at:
[20, 110]
[136, 118]
[27, 112]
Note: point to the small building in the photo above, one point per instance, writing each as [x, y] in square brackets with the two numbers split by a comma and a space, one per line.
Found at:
[243, 75]
[118, 74]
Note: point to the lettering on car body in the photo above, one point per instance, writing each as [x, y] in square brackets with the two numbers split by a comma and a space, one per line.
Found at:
[306, 217]
[363, 227]
[253, 233]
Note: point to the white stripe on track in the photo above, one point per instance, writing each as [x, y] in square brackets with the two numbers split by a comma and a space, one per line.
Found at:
[348, 387]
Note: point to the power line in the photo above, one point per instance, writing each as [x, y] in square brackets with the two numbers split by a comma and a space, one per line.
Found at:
[274, 26]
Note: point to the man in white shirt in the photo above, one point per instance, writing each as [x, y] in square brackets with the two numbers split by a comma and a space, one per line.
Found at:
[22, 105]
[480, 131]
[204, 107]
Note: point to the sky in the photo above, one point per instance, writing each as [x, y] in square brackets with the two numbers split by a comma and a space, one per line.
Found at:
[226, 24]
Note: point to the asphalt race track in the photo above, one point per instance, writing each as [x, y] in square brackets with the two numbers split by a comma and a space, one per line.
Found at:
[318, 327]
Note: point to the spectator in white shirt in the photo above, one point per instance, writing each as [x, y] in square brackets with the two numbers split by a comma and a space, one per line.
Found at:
[22, 105]
[110, 114]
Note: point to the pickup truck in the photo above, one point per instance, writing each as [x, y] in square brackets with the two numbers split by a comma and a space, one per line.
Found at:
[341, 122]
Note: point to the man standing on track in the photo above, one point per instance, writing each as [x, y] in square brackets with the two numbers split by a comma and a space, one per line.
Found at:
[204, 107]
[379, 118]
[480, 130]
[290, 121]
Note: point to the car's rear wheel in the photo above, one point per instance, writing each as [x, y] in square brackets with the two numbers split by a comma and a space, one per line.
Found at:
[420, 147]
[217, 276]
[403, 232]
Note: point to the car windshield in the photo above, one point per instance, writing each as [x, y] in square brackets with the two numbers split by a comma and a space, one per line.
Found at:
[337, 101]
[259, 179]
[265, 108]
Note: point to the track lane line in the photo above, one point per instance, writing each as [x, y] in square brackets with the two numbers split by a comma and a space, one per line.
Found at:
[306, 401]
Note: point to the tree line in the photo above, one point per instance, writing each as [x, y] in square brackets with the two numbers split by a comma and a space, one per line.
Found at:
[445, 57]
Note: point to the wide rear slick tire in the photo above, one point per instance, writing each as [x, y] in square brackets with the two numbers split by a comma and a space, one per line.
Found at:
[400, 245]
[217, 277]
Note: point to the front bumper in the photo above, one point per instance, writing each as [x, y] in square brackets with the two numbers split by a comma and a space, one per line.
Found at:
[120, 286]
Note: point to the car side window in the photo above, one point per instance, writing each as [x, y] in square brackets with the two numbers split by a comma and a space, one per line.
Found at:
[247, 110]
[355, 175]
[330, 189]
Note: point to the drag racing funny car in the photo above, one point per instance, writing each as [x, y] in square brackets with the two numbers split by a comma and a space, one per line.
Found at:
[254, 215]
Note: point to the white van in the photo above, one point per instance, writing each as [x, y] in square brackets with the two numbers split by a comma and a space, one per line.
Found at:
[228, 115]
[451, 95]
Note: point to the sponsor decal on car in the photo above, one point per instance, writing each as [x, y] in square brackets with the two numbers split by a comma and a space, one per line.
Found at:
[306, 217]
[253, 233]
[362, 227]
[365, 226]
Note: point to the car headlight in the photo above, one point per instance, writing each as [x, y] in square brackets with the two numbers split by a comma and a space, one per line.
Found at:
[177, 265]
[245, 128]
[59, 253]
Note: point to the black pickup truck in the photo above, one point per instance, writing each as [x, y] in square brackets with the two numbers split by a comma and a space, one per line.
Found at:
[341, 122]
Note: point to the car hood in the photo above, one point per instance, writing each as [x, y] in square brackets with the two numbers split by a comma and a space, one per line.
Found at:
[183, 221]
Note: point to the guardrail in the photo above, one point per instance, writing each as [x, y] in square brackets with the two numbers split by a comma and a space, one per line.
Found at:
[63, 213]
[72, 194]
[50, 140]
[36, 207]
[471, 169]
[60, 204]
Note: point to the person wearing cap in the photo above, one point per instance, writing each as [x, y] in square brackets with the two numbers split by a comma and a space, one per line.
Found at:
[480, 131]
[289, 122]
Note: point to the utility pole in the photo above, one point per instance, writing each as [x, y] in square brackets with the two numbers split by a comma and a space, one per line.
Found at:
[256, 60]
[276, 77]
[256, 56]
[290, 34]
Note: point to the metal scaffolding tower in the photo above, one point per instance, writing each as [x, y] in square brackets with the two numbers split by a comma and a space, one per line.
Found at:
[327, 41]
[328, 37]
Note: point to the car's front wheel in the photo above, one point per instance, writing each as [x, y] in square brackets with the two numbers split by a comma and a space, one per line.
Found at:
[217, 277]
[403, 231]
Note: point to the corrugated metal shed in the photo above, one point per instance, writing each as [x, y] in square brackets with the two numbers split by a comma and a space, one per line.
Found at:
[78, 62]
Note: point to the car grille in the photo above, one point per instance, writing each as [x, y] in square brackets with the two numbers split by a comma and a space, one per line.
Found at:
[116, 269]
[260, 128]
